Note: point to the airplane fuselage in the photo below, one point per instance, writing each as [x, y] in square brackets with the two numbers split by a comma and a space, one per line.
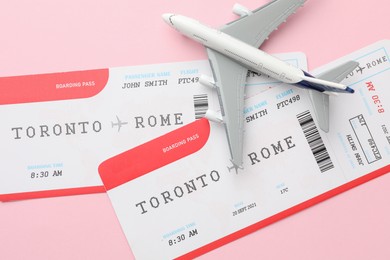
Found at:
[248, 56]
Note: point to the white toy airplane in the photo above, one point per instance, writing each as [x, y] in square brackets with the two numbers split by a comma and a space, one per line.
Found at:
[233, 50]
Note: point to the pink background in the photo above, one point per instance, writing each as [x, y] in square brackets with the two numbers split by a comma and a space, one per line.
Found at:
[61, 35]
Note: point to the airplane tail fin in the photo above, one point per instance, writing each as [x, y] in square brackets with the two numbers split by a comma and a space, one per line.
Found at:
[340, 72]
[329, 80]
[320, 100]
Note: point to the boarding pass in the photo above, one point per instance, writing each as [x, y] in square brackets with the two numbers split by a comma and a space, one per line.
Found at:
[179, 195]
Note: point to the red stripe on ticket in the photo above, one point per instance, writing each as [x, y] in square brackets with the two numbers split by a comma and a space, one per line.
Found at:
[154, 154]
[53, 86]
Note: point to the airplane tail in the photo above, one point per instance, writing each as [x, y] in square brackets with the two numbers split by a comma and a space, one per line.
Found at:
[329, 80]
[320, 100]
[318, 84]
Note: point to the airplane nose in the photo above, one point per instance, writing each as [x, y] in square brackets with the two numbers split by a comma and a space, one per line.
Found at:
[166, 18]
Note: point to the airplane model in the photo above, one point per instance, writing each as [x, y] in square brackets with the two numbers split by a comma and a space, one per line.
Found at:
[233, 50]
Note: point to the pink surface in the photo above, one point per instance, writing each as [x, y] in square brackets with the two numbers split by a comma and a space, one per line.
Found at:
[56, 35]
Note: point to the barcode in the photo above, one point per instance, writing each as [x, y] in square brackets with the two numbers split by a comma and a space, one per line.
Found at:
[314, 139]
[201, 104]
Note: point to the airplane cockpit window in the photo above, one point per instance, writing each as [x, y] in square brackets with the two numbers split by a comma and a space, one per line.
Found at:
[170, 19]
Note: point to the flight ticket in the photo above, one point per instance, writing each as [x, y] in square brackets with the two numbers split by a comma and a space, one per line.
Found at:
[180, 195]
[57, 128]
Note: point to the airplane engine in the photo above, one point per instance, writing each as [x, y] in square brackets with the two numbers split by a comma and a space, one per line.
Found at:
[241, 10]
[207, 81]
[214, 116]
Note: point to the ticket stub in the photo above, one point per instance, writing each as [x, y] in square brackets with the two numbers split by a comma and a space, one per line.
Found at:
[180, 195]
[57, 128]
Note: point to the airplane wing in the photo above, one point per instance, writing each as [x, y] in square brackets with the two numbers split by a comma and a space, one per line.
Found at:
[320, 100]
[230, 78]
[255, 28]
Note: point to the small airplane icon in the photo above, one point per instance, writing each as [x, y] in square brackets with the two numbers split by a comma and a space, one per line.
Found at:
[119, 123]
[360, 69]
[235, 167]
[234, 49]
